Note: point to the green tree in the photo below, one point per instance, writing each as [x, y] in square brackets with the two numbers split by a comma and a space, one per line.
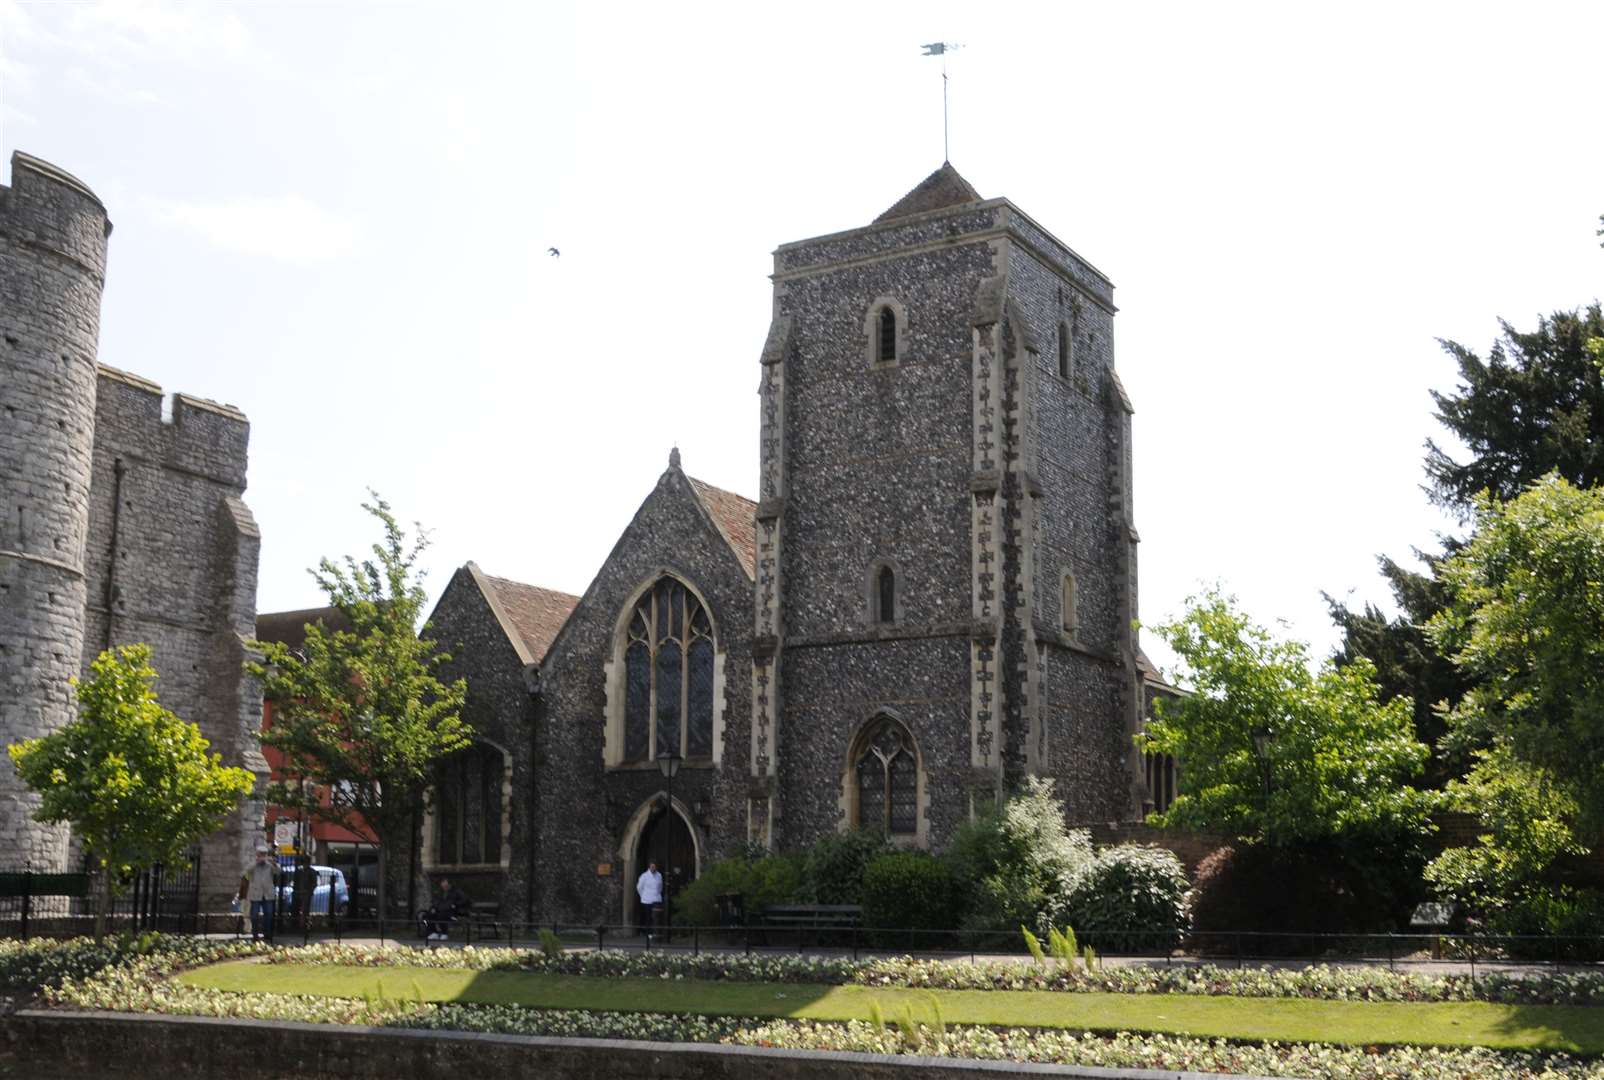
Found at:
[1527, 627]
[1534, 406]
[1407, 662]
[1336, 758]
[361, 713]
[1527, 823]
[134, 781]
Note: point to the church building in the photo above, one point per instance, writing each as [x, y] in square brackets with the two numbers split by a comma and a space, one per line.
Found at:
[932, 598]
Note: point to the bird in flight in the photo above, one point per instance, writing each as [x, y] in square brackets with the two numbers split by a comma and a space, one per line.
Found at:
[553, 252]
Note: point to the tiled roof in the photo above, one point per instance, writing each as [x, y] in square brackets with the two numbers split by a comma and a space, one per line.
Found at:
[940, 189]
[535, 614]
[736, 517]
[289, 627]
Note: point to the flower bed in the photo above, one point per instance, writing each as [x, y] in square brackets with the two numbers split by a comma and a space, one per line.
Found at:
[138, 982]
[1322, 982]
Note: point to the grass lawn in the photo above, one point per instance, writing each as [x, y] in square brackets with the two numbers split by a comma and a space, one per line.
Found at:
[1572, 1028]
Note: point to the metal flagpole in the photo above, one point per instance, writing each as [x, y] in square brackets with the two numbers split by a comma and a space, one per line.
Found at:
[941, 48]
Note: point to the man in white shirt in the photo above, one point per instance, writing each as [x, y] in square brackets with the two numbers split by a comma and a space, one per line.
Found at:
[649, 887]
[258, 886]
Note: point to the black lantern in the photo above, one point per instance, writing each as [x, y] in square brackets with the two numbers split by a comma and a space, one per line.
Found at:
[668, 764]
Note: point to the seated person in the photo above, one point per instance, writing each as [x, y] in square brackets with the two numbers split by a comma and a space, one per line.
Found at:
[449, 904]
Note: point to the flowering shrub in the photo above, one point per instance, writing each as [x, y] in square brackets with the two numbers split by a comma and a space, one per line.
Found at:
[573, 1023]
[1127, 892]
[31, 966]
[1172, 1053]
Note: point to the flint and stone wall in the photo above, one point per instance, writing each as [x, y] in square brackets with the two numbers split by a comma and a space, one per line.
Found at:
[585, 807]
[501, 712]
[976, 472]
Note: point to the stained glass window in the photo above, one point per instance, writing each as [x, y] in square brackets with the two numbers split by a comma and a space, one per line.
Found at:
[887, 779]
[668, 675]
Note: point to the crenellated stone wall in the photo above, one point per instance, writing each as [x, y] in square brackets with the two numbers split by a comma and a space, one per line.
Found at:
[117, 524]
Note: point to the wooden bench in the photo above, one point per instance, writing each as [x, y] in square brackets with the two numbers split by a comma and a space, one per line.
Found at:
[813, 916]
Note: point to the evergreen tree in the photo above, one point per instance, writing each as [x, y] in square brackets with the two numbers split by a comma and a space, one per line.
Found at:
[1406, 661]
[1534, 406]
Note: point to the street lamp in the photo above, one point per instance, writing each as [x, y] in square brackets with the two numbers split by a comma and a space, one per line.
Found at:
[1262, 737]
[668, 764]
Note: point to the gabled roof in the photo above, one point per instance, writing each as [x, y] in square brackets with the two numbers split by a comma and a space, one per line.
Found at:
[941, 189]
[529, 615]
[736, 517]
[289, 627]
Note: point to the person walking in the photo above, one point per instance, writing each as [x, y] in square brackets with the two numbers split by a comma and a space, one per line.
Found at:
[649, 887]
[258, 886]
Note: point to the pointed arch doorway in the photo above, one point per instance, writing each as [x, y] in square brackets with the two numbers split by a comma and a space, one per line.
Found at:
[666, 838]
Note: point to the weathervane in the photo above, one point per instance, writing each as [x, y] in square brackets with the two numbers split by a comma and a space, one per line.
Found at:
[941, 49]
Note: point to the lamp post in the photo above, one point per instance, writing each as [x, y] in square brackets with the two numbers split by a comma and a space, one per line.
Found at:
[1262, 736]
[668, 764]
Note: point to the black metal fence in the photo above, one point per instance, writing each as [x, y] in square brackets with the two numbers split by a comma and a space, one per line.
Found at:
[34, 903]
[1239, 948]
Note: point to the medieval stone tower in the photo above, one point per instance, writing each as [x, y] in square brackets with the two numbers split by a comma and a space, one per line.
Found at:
[53, 234]
[946, 560]
[120, 520]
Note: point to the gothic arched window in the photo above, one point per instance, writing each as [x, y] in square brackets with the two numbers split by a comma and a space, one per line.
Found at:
[886, 774]
[1066, 351]
[467, 809]
[668, 675]
[886, 351]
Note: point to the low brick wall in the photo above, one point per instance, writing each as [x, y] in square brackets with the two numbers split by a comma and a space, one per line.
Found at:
[52, 1045]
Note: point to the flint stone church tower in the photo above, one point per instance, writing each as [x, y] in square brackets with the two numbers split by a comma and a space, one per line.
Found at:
[932, 599]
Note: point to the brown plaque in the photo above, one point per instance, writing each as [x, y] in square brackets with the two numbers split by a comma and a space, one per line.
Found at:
[604, 869]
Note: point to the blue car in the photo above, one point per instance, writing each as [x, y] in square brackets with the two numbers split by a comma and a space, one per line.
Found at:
[329, 883]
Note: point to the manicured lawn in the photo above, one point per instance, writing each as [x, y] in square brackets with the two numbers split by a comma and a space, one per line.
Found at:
[1573, 1028]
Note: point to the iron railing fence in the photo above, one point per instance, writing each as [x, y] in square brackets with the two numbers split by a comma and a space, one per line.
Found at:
[35, 903]
[1234, 947]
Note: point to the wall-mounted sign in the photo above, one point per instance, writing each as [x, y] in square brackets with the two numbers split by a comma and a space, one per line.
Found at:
[604, 869]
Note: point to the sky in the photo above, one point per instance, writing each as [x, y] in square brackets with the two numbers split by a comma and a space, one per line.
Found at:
[337, 216]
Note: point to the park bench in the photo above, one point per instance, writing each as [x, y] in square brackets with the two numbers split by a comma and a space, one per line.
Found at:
[813, 916]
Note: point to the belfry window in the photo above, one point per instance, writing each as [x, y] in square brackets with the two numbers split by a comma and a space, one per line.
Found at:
[1066, 351]
[887, 778]
[886, 352]
[885, 595]
[668, 675]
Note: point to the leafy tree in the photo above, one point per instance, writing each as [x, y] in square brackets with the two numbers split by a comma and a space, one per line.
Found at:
[1407, 662]
[1337, 760]
[361, 713]
[1528, 821]
[1527, 626]
[134, 781]
[1534, 406]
